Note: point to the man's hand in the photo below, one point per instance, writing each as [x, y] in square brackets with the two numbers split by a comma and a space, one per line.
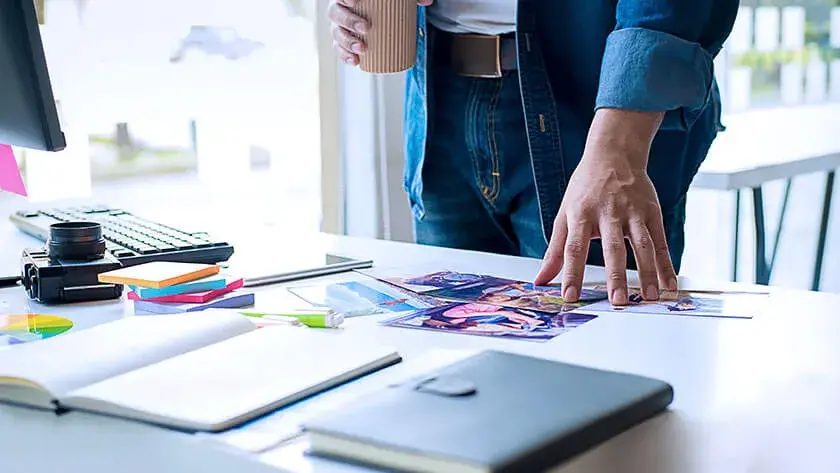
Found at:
[349, 29]
[611, 197]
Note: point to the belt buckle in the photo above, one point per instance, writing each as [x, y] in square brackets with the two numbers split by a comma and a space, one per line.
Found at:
[479, 56]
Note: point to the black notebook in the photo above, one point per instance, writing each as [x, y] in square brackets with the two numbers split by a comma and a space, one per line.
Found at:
[492, 412]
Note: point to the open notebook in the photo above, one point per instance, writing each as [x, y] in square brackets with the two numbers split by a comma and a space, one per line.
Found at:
[204, 371]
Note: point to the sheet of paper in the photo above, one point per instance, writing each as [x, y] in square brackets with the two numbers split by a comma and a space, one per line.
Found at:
[10, 178]
[364, 297]
[688, 303]
[517, 294]
[224, 384]
[421, 282]
[79, 358]
[491, 321]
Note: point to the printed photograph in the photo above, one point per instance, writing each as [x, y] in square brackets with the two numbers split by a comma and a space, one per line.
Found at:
[491, 321]
[429, 277]
[700, 304]
[518, 294]
[426, 282]
[359, 298]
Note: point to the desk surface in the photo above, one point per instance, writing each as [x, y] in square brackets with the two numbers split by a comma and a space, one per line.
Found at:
[756, 395]
[769, 145]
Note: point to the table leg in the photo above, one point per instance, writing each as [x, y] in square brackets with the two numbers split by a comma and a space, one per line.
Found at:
[826, 213]
[761, 274]
[779, 227]
[737, 238]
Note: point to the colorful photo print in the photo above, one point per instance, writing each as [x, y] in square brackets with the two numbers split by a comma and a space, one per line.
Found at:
[423, 283]
[491, 321]
[353, 298]
[504, 292]
[703, 304]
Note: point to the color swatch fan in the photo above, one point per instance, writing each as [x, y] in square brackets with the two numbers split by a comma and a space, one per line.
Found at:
[23, 328]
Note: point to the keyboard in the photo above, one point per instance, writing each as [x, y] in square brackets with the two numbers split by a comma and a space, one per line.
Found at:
[131, 239]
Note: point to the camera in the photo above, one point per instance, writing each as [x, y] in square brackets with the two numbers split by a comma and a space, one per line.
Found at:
[67, 270]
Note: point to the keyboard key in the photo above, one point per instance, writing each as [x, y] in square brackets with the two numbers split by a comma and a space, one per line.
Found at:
[147, 250]
[181, 245]
[197, 242]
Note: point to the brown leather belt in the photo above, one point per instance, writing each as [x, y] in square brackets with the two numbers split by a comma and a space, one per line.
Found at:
[475, 55]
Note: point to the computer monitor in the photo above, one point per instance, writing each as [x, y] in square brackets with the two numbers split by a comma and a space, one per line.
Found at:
[28, 112]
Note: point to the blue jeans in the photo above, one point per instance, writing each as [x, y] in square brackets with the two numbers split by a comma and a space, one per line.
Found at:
[479, 191]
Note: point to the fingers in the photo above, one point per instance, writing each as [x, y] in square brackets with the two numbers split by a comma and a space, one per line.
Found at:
[664, 265]
[615, 259]
[575, 255]
[348, 29]
[347, 46]
[553, 260]
[642, 244]
[341, 15]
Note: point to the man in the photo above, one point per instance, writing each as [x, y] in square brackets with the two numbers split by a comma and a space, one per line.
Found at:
[567, 130]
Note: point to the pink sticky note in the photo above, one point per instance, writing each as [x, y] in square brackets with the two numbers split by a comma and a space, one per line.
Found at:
[10, 179]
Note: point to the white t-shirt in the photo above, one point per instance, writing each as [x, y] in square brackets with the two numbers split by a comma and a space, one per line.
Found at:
[474, 16]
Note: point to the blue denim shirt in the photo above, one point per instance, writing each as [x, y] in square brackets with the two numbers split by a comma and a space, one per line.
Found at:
[576, 56]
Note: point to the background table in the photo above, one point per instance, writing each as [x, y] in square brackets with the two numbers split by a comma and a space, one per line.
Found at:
[776, 146]
[756, 395]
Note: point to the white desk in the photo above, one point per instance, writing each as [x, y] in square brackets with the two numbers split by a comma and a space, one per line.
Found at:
[757, 395]
[772, 145]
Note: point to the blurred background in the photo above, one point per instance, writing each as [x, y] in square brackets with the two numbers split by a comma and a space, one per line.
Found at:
[236, 108]
[163, 99]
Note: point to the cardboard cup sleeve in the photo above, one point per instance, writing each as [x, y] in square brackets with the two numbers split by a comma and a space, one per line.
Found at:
[392, 37]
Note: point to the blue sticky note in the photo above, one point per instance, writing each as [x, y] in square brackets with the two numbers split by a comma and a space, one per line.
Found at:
[200, 285]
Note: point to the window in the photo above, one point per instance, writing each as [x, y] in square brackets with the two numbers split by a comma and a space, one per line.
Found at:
[779, 75]
[213, 105]
[782, 53]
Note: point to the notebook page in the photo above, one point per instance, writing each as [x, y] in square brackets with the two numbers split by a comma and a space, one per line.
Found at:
[227, 382]
[76, 359]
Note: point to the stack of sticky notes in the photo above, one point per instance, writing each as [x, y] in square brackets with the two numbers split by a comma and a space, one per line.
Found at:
[165, 287]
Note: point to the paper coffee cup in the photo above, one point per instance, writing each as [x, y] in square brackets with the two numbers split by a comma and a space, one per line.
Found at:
[391, 37]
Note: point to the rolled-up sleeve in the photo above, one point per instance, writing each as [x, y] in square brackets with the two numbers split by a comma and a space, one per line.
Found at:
[660, 56]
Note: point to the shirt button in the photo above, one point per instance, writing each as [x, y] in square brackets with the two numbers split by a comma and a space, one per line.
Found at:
[420, 32]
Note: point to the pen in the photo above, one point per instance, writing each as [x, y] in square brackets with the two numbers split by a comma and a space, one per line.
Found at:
[269, 320]
[10, 281]
[314, 319]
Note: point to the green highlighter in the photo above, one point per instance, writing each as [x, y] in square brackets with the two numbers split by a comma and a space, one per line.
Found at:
[313, 318]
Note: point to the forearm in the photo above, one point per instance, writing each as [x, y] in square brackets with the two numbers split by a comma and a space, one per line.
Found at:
[629, 133]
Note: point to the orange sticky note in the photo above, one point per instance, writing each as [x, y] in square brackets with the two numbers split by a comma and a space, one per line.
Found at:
[10, 178]
[159, 274]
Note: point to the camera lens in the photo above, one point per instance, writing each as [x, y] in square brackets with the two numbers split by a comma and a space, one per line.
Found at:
[76, 241]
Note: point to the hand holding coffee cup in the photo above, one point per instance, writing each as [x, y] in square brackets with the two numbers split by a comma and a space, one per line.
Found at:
[377, 35]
